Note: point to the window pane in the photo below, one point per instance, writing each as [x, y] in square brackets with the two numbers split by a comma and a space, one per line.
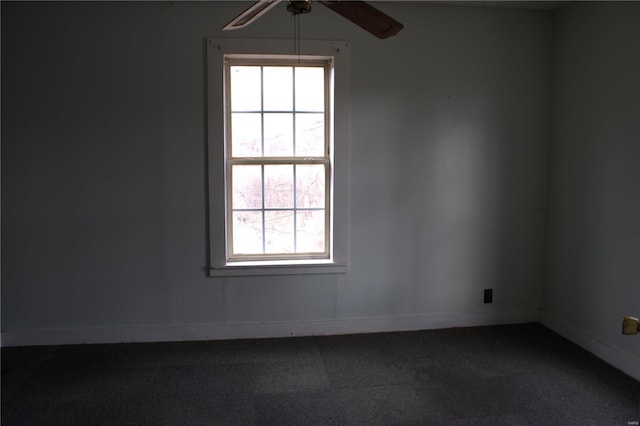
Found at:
[309, 89]
[310, 135]
[246, 135]
[310, 188]
[278, 200]
[278, 88]
[310, 231]
[247, 232]
[278, 231]
[278, 186]
[278, 135]
[247, 187]
[245, 88]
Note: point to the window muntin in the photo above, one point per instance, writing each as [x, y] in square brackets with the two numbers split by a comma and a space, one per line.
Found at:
[277, 158]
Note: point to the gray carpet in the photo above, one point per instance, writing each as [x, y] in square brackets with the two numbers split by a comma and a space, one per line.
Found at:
[499, 375]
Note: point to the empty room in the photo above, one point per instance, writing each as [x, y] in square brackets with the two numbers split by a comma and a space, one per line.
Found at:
[326, 212]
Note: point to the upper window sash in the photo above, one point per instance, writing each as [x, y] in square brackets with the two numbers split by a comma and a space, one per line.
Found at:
[325, 62]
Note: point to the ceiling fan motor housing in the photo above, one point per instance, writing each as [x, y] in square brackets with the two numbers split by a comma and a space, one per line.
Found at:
[299, 6]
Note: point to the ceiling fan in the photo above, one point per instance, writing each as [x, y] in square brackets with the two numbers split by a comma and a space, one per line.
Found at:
[360, 13]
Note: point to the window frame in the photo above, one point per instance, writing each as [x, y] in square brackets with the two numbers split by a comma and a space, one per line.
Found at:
[326, 64]
[336, 260]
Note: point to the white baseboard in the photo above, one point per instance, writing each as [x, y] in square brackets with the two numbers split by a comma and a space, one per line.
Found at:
[170, 333]
[623, 361]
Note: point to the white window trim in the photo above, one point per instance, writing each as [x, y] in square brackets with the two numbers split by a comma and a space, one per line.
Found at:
[216, 50]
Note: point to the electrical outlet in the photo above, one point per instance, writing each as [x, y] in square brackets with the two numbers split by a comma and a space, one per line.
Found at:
[488, 295]
[630, 325]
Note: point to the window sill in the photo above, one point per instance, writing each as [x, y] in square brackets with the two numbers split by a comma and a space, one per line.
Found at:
[306, 267]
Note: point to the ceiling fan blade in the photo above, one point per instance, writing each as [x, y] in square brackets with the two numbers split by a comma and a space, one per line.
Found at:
[365, 16]
[255, 11]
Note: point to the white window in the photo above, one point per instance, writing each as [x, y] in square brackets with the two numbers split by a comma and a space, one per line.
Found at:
[278, 134]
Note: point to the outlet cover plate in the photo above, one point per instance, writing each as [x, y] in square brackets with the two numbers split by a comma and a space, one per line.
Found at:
[630, 325]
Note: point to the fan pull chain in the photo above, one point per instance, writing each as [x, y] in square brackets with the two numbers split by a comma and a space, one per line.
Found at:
[296, 35]
[298, 24]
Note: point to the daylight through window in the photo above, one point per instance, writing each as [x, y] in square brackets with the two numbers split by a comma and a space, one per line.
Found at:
[278, 163]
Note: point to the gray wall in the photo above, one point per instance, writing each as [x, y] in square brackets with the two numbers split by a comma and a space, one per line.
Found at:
[104, 167]
[594, 221]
